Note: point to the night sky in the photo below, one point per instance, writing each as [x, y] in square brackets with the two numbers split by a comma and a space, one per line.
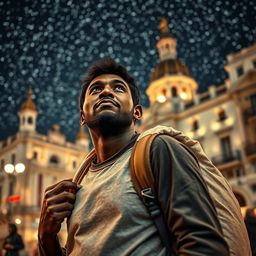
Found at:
[48, 45]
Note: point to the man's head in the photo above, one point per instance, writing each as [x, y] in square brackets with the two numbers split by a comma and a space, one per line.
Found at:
[109, 66]
[109, 99]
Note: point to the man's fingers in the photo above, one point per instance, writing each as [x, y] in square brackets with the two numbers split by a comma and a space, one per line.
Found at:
[65, 185]
[61, 207]
[59, 216]
[60, 198]
[54, 185]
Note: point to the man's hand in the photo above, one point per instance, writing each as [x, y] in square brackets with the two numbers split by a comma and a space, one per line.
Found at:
[57, 205]
[9, 246]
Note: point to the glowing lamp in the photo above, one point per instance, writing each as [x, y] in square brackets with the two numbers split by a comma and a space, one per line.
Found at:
[183, 95]
[20, 168]
[9, 168]
[161, 98]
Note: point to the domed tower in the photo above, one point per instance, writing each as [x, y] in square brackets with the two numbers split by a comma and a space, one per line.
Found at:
[82, 139]
[28, 114]
[170, 80]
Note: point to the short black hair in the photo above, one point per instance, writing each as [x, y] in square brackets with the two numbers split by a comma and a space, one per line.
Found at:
[108, 66]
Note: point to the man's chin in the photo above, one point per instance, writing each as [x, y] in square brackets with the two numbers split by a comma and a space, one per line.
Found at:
[109, 123]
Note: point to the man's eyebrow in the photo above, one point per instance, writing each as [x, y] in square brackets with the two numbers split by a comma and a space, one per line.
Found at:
[118, 81]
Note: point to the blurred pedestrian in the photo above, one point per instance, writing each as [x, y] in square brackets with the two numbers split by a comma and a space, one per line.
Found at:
[13, 243]
[250, 222]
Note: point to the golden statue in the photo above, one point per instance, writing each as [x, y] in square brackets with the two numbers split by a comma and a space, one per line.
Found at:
[164, 25]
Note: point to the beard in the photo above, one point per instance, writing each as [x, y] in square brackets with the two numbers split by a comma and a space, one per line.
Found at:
[111, 124]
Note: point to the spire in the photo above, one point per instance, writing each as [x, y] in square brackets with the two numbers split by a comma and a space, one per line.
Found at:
[163, 26]
[29, 104]
[167, 44]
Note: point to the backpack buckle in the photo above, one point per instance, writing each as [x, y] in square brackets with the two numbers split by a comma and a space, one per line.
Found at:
[149, 200]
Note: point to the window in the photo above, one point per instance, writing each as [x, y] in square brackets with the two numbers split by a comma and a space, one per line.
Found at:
[222, 115]
[174, 92]
[240, 71]
[54, 160]
[13, 158]
[226, 148]
[35, 155]
[195, 125]
[30, 120]
[2, 165]
[11, 185]
[253, 102]
[40, 189]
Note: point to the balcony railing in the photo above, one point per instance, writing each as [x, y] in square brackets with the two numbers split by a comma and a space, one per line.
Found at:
[250, 149]
[222, 159]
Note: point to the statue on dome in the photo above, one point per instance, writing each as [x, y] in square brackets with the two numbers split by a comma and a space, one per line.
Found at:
[163, 26]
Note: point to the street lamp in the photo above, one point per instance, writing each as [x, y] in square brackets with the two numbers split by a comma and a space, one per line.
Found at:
[18, 168]
[12, 171]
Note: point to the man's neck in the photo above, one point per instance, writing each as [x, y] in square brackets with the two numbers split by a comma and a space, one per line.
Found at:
[106, 147]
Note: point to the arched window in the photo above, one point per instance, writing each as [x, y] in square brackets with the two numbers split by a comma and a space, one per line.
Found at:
[222, 115]
[54, 159]
[30, 120]
[174, 92]
[195, 125]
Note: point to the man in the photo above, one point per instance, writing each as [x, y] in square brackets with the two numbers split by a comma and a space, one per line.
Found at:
[105, 215]
[13, 242]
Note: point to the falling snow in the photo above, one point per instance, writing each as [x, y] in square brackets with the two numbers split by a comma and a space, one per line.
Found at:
[48, 45]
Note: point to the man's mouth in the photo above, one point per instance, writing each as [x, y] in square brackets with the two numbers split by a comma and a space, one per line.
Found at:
[106, 102]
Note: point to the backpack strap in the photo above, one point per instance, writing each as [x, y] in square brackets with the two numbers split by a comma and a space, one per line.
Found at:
[143, 181]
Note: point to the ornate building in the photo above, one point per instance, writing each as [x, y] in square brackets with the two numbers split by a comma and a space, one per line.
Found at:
[222, 119]
[47, 160]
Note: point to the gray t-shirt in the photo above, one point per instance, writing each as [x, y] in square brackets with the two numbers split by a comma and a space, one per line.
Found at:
[109, 217]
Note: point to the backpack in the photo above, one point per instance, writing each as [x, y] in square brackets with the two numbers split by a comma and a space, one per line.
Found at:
[225, 202]
[226, 205]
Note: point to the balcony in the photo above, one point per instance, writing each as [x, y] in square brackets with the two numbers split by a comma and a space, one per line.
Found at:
[224, 159]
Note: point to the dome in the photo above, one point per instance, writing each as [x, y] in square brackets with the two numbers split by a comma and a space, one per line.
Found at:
[29, 104]
[169, 67]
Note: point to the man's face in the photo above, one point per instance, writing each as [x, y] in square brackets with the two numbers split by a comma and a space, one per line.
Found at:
[108, 103]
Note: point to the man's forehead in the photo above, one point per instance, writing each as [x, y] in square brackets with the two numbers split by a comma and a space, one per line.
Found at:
[107, 78]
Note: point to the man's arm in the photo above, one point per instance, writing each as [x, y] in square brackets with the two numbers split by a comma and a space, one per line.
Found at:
[185, 200]
[57, 205]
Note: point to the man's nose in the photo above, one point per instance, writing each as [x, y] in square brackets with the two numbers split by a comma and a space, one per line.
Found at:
[107, 91]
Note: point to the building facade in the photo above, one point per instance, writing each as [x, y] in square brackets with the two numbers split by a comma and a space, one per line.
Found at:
[222, 119]
[47, 159]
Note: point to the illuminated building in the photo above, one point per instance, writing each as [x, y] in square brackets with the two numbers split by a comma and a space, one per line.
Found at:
[222, 119]
[47, 159]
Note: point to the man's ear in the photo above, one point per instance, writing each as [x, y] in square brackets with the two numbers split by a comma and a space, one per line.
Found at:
[82, 118]
[137, 112]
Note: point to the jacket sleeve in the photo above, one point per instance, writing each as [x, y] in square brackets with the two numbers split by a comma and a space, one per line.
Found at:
[185, 201]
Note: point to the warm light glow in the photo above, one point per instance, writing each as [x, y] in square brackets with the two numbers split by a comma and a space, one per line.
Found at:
[201, 131]
[161, 98]
[216, 126]
[9, 168]
[20, 168]
[183, 95]
[229, 121]
[18, 221]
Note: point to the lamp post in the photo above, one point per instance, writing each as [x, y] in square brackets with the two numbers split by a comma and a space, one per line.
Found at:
[12, 171]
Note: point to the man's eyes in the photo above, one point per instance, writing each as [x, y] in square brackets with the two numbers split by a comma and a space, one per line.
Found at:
[98, 89]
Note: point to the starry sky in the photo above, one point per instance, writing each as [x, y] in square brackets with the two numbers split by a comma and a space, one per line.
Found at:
[49, 44]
